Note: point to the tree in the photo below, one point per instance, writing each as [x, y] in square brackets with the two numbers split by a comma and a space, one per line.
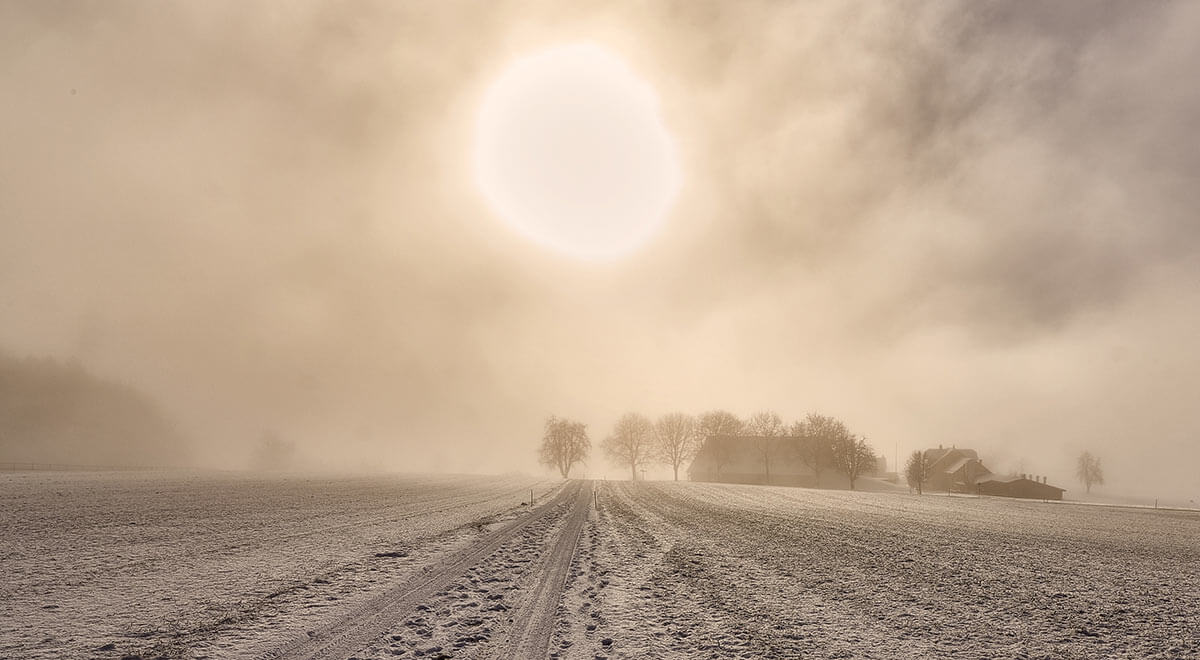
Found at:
[853, 456]
[818, 434]
[715, 429]
[765, 427]
[630, 442]
[54, 411]
[564, 443]
[917, 471]
[1088, 471]
[719, 422]
[676, 440]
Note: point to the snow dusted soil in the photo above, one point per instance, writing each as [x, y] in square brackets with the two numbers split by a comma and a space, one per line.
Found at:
[106, 565]
[210, 566]
[706, 570]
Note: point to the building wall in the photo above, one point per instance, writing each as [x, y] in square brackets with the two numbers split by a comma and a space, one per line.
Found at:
[1023, 488]
[755, 478]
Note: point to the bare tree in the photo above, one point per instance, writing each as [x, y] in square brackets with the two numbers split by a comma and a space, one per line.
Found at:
[766, 427]
[719, 422]
[630, 442]
[716, 427]
[917, 471]
[676, 440]
[853, 457]
[818, 435]
[1088, 471]
[564, 444]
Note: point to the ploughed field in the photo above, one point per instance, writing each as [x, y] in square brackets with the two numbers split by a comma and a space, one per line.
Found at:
[149, 565]
[708, 570]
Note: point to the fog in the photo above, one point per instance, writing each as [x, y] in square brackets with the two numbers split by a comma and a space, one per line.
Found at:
[960, 223]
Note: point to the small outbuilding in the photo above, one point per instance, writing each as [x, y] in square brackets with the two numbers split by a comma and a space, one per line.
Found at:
[1019, 486]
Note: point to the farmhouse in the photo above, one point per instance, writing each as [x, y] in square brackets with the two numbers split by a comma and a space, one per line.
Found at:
[960, 471]
[953, 469]
[736, 459]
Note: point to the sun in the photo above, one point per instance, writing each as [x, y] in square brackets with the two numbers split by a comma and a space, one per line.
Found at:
[572, 152]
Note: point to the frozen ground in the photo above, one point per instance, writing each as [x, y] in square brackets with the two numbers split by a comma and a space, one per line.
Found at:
[738, 571]
[109, 564]
[161, 565]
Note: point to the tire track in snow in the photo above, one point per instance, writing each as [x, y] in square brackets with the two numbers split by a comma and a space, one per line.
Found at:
[534, 624]
[375, 617]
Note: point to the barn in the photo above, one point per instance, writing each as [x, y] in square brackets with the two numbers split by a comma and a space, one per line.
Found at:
[737, 459]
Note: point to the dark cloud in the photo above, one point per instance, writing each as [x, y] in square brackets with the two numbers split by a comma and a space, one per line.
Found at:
[1000, 145]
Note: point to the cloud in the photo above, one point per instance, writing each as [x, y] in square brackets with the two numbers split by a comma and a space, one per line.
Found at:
[939, 220]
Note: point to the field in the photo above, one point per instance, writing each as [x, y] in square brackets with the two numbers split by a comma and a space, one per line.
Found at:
[107, 565]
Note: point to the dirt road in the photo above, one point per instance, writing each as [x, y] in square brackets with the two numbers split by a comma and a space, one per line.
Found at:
[498, 597]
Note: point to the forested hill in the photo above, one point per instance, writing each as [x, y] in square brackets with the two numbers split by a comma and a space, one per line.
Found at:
[51, 411]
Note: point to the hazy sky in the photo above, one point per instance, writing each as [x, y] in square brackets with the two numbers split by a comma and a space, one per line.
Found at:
[971, 223]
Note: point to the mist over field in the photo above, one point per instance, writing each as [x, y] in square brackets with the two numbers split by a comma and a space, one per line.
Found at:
[944, 223]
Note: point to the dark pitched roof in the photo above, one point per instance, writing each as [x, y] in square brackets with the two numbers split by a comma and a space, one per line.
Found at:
[957, 465]
[1011, 479]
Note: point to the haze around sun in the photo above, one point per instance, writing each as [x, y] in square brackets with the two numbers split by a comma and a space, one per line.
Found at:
[572, 152]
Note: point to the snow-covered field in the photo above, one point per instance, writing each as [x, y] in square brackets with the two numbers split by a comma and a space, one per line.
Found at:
[110, 565]
[742, 571]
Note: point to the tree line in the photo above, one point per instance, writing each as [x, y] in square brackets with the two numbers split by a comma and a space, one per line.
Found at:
[54, 411]
[819, 441]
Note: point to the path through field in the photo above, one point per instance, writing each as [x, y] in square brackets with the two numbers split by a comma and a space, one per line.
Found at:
[462, 568]
[498, 596]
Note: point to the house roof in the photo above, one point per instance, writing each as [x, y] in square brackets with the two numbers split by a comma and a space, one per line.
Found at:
[1014, 479]
[938, 457]
[1000, 479]
[957, 465]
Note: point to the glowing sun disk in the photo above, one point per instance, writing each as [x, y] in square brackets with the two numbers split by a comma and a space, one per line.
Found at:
[571, 151]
